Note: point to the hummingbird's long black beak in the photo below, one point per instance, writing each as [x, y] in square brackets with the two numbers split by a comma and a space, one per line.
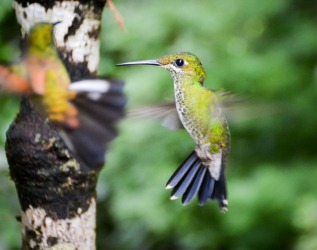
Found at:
[145, 62]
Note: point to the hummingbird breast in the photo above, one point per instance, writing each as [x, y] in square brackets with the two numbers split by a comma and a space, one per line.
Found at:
[200, 114]
[188, 110]
[54, 79]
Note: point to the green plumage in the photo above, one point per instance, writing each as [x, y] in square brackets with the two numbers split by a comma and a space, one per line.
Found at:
[201, 115]
[85, 112]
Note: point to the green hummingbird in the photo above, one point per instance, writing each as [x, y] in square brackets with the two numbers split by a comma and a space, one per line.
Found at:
[86, 112]
[199, 110]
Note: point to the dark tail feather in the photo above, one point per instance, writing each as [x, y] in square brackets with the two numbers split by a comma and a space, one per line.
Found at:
[220, 192]
[98, 116]
[194, 188]
[193, 177]
[182, 186]
[181, 171]
[206, 189]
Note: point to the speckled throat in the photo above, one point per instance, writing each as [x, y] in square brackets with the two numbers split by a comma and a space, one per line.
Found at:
[185, 111]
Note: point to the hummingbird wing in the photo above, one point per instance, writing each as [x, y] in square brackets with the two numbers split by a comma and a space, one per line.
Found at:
[100, 108]
[37, 70]
[12, 80]
[236, 108]
[243, 108]
[165, 112]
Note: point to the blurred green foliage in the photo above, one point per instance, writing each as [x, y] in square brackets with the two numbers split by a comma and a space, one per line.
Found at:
[264, 50]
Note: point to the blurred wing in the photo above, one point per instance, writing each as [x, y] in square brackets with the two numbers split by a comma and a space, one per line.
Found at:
[241, 109]
[11, 81]
[165, 112]
[37, 70]
[100, 108]
[235, 107]
[228, 99]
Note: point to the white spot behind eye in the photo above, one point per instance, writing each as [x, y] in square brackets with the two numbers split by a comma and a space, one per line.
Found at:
[185, 62]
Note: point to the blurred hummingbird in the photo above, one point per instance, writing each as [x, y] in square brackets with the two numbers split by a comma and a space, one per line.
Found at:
[85, 111]
[200, 113]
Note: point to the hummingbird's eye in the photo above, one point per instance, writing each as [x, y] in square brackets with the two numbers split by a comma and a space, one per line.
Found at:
[179, 62]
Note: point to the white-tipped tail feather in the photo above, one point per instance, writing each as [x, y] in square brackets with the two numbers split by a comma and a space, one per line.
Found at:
[193, 178]
[97, 118]
[90, 86]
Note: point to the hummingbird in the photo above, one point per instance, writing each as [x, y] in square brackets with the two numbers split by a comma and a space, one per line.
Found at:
[85, 112]
[199, 110]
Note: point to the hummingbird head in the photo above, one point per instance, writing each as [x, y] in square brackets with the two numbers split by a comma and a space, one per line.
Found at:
[183, 64]
[41, 36]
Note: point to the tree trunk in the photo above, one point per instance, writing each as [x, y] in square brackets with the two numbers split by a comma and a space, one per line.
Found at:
[56, 192]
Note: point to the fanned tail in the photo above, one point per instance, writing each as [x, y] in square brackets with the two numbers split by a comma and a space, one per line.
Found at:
[193, 178]
[100, 108]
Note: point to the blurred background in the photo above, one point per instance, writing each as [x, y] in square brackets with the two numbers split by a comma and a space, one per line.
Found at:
[263, 50]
